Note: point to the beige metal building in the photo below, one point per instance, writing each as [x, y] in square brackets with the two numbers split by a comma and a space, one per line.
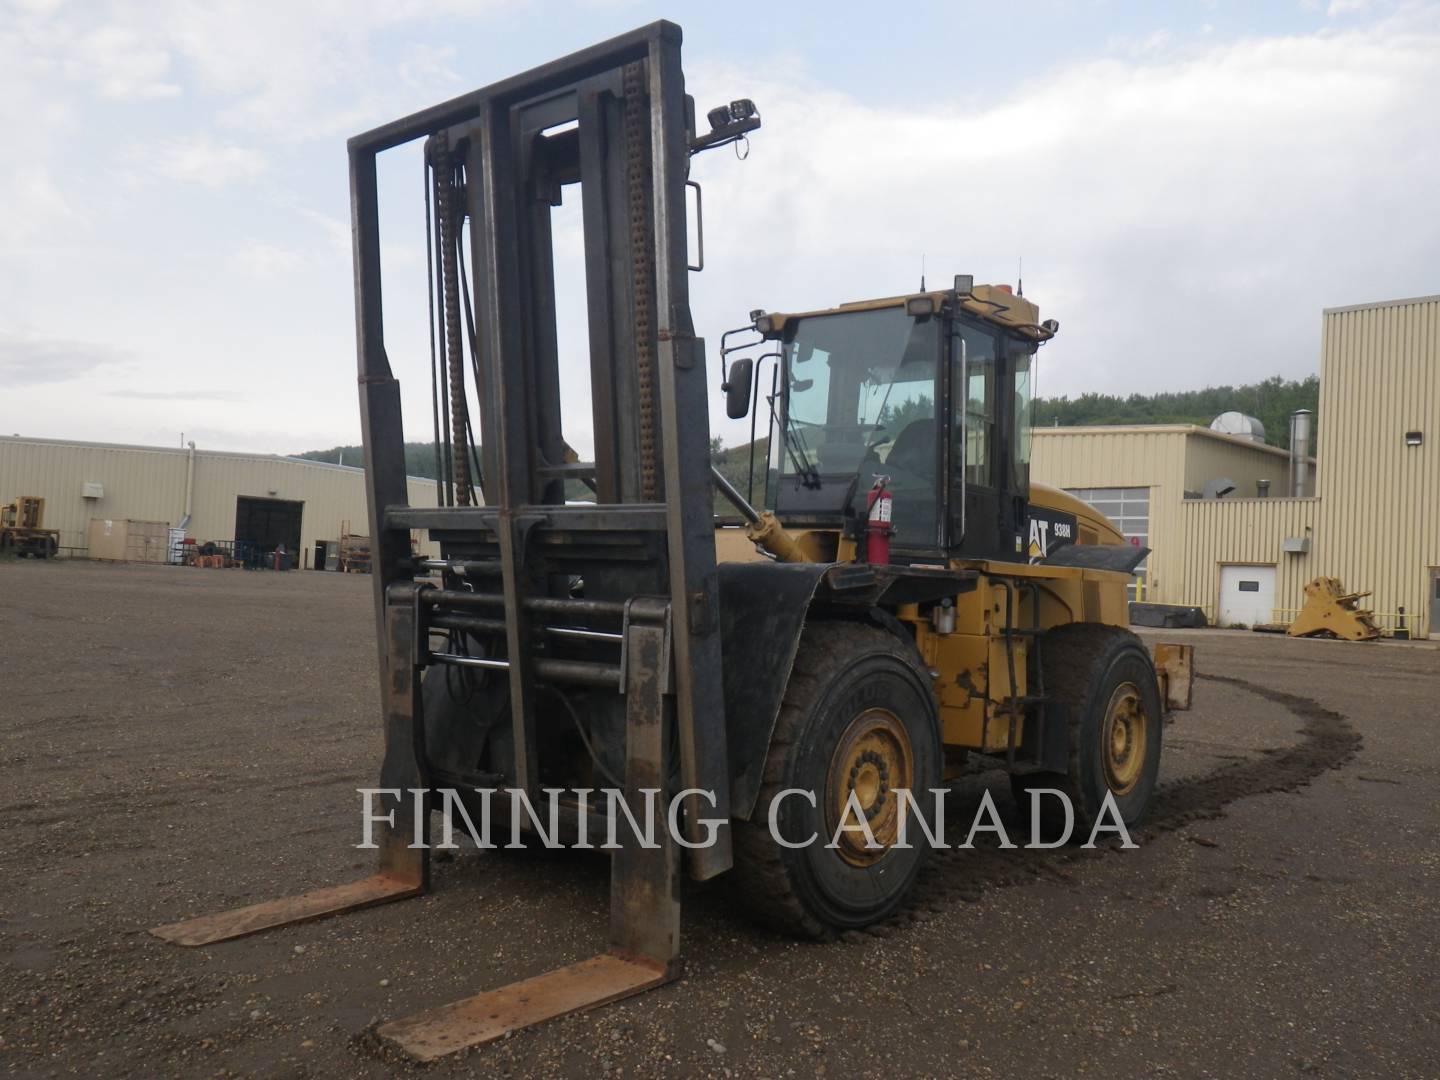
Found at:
[1373, 520]
[1142, 477]
[224, 496]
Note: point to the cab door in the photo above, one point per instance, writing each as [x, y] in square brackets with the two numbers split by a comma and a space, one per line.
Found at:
[975, 509]
[1017, 405]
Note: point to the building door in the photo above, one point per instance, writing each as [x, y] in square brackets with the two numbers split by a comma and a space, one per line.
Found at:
[1433, 628]
[269, 523]
[1247, 595]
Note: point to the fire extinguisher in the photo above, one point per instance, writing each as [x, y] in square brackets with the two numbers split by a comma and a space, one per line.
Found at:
[878, 526]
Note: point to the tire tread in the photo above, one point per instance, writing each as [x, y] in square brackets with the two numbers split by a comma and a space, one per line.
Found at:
[759, 881]
[1075, 658]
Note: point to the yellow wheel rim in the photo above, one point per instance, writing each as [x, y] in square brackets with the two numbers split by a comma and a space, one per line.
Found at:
[874, 760]
[1124, 739]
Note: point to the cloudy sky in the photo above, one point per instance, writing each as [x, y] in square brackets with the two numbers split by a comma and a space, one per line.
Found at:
[1187, 184]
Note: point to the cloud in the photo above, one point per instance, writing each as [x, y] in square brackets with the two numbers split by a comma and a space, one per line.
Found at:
[28, 359]
[176, 395]
[337, 232]
[36, 119]
[1185, 217]
[34, 206]
[1185, 204]
[121, 64]
[302, 70]
[262, 260]
[198, 159]
[272, 66]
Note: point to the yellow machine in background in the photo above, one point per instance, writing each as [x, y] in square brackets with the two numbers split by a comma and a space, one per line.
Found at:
[22, 529]
[1329, 609]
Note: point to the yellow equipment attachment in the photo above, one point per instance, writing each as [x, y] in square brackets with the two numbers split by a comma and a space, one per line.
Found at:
[1175, 667]
[1329, 609]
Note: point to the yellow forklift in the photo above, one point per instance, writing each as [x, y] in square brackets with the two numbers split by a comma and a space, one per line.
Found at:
[891, 607]
[23, 532]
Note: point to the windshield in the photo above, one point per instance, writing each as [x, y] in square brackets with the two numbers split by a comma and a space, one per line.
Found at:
[854, 381]
[859, 400]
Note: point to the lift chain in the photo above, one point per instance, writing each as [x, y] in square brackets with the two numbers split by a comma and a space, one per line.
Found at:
[447, 220]
[637, 159]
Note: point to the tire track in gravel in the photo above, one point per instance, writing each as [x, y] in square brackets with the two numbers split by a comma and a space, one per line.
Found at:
[1327, 741]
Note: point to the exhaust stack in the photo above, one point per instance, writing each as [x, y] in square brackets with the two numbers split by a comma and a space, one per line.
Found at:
[1301, 424]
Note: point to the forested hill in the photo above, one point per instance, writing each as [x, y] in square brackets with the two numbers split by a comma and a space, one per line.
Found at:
[1272, 401]
[419, 457]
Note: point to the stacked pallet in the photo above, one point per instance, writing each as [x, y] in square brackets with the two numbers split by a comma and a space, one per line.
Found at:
[354, 553]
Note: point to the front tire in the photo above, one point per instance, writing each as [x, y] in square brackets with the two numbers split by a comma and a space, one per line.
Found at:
[858, 716]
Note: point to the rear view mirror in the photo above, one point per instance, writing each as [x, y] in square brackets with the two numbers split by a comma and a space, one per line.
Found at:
[737, 388]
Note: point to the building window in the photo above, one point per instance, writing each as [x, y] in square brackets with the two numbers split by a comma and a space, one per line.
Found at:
[1129, 511]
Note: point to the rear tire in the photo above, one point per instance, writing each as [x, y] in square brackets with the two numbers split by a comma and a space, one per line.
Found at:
[1107, 680]
[858, 715]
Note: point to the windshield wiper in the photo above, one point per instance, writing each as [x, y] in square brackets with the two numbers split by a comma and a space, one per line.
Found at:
[805, 472]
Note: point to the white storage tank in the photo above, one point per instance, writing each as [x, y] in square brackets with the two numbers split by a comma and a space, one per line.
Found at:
[1239, 425]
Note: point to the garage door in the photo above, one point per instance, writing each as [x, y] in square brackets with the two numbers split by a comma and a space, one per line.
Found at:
[269, 523]
[1247, 595]
[1129, 511]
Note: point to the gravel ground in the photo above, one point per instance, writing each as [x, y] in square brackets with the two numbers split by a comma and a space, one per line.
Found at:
[179, 741]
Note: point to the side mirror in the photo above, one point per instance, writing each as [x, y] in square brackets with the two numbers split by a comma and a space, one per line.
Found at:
[737, 388]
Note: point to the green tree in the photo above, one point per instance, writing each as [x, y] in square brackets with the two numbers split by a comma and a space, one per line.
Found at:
[1270, 401]
[419, 458]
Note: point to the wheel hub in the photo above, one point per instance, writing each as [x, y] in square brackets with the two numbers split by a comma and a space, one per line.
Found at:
[872, 760]
[1123, 738]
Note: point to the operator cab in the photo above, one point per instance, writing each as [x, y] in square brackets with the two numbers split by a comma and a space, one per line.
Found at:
[931, 390]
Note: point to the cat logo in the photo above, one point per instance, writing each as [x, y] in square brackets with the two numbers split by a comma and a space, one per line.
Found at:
[1049, 530]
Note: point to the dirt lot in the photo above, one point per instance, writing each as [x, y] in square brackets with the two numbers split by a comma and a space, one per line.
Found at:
[179, 741]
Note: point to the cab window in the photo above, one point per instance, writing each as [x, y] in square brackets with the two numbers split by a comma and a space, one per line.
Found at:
[1022, 363]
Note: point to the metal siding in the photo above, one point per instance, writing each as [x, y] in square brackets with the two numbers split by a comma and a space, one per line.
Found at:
[148, 483]
[1221, 531]
[140, 483]
[1148, 457]
[1375, 523]
[1378, 380]
[1208, 457]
